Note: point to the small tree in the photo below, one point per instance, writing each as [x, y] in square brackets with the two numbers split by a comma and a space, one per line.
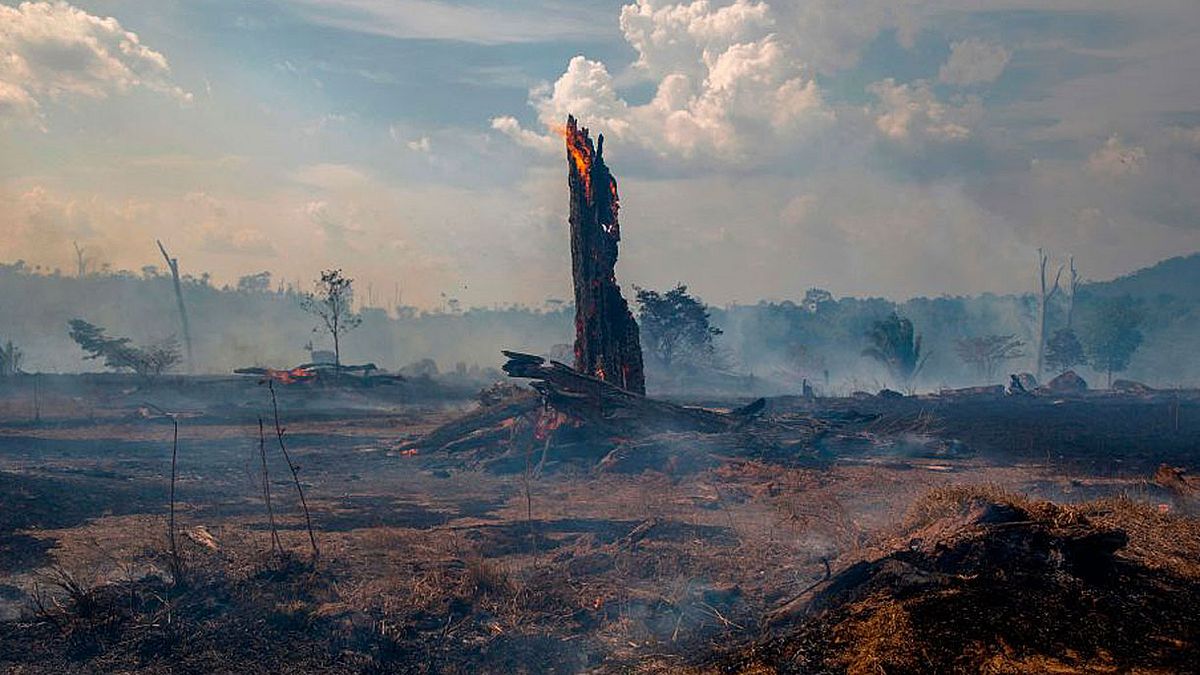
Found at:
[986, 352]
[893, 343]
[333, 303]
[10, 359]
[119, 354]
[1064, 351]
[815, 298]
[675, 325]
[1114, 334]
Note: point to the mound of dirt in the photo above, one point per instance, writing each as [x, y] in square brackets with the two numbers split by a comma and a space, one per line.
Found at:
[980, 581]
[1067, 383]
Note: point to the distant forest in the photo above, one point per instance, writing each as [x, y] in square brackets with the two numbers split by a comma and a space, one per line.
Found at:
[762, 348]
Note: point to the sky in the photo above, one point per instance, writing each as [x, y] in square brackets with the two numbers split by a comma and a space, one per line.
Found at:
[870, 147]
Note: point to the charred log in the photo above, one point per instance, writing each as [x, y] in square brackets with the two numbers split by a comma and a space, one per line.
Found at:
[607, 344]
[603, 405]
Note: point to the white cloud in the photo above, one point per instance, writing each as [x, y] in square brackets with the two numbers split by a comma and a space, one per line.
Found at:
[728, 88]
[684, 38]
[509, 126]
[52, 50]
[974, 61]
[911, 113]
[421, 145]
[1115, 159]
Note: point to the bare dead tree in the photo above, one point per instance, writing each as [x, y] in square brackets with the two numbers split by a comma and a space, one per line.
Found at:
[312, 537]
[80, 260]
[1073, 285]
[1044, 298]
[276, 545]
[173, 264]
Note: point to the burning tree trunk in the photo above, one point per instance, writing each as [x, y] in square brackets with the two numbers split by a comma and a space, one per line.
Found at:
[607, 344]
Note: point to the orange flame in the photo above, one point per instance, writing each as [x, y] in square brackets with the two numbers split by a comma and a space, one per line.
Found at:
[547, 422]
[290, 376]
[579, 150]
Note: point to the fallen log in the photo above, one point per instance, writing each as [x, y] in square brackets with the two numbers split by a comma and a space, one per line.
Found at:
[616, 411]
[460, 433]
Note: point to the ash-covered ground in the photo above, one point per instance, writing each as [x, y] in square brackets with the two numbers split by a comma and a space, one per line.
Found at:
[860, 551]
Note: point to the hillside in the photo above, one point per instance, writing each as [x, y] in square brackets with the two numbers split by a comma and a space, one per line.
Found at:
[1178, 277]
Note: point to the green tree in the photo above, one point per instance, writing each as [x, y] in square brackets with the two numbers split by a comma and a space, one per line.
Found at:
[10, 359]
[1064, 351]
[1114, 334]
[120, 354]
[894, 343]
[255, 283]
[986, 352]
[675, 325]
[333, 303]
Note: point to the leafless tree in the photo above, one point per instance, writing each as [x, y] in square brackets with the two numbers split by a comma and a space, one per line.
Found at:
[81, 261]
[1073, 286]
[1047, 293]
[173, 264]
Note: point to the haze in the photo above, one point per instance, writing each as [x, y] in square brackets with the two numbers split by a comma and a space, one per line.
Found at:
[869, 147]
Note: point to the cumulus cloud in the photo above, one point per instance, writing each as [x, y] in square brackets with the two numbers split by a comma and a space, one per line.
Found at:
[910, 113]
[974, 61]
[53, 50]
[1116, 159]
[684, 38]
[727, 87]
[511, 127]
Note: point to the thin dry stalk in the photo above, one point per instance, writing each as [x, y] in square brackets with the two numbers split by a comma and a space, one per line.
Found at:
[528, 492]
[312, 537]
[276, 544]
[176, 562]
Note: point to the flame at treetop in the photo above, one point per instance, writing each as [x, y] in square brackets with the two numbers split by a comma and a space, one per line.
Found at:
[579, 150]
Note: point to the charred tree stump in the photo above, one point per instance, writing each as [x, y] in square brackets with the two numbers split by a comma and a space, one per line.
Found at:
[607, 344]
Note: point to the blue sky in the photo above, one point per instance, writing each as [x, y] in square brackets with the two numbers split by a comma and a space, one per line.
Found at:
[869, 147]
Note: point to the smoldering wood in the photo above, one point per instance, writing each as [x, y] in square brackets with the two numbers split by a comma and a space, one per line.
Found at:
[367, 374]
[476, 428]
[607, 342]
[605, 406]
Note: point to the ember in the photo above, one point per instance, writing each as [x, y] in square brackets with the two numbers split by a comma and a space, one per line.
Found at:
[289, 376]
